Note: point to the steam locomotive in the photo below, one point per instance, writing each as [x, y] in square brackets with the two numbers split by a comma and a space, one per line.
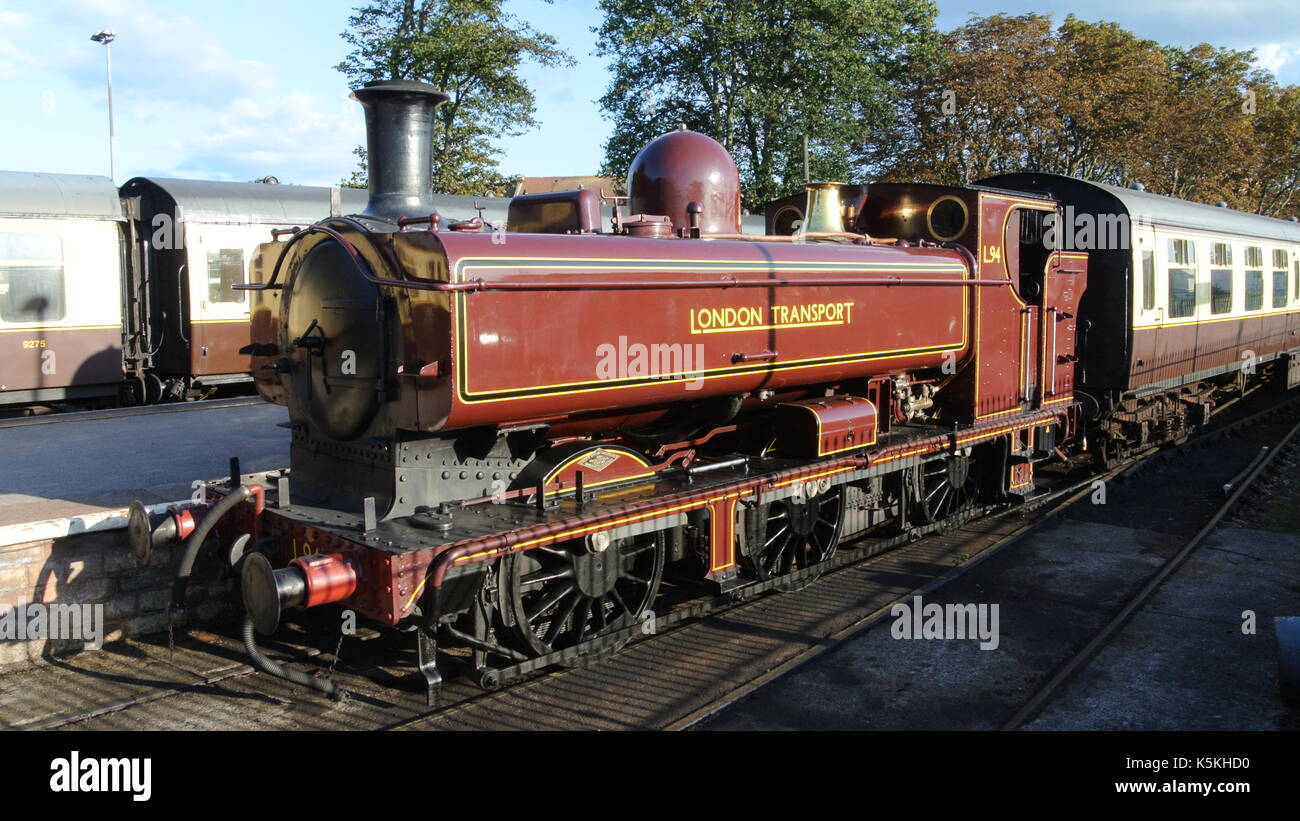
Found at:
[515, 441]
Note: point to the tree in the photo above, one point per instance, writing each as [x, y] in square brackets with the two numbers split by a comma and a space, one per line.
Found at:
[1092, 100]
[1109, 79]
[1200, 136]
[975, 110]
[1270, 180]
[472, 50]
[1009, 93]
[758, 77]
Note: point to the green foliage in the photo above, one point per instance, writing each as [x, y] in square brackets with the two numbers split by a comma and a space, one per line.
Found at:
[472, 50]
[1092, 100]
[759, 77]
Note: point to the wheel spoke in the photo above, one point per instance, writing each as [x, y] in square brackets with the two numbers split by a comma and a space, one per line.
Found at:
[554, 599]
[780, 551]
[557, 623]
[584, 616]
[938, 487]
[540, 577]
[942, 504]
[775, 536]
[641, 548]
[618, 600]
[549, 600]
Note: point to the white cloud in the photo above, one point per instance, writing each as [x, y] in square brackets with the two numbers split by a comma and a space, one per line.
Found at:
[1275, 56]
[295, 136]
[159, 50]
[187, 102]
[13, 59]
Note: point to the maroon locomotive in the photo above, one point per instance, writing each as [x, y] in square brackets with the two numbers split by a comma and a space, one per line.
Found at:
[511, 441]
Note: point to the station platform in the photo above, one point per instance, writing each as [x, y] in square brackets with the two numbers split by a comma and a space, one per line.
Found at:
[92, 464]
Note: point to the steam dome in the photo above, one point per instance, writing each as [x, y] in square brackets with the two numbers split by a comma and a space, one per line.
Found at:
[684, 167]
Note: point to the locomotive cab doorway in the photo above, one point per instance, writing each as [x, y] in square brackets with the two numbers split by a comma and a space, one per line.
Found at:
[1026, 252]
[1027, 256]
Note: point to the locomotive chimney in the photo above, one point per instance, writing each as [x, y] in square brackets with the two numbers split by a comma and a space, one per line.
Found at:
[399, 146]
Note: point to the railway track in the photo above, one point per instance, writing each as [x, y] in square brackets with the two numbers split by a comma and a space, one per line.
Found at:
[123, 413]
[698, 666]
[1235, 491]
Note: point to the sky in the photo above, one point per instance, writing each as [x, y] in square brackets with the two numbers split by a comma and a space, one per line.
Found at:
[238, 89]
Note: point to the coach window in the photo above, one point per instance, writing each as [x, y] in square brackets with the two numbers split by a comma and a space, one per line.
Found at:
[1280, 257]
[1295, 289]
[1148, 279]
[225, 271]
[31, 278]
[1182, 278]
[1220, 278]
[1254, 278]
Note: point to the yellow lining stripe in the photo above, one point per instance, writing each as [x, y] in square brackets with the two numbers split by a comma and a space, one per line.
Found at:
[40, 329]
[700, 504]
[583, 454]
[1184, 323]
[463, 266]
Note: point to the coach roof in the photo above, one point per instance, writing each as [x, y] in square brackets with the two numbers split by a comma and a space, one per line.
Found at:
[24, 194]
[206, 201]
[1147, 208]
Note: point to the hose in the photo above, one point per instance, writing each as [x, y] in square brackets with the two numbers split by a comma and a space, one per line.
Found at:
[263, 663]
[196, 539]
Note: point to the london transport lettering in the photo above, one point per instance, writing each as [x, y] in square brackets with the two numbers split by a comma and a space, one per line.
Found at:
[768, 317]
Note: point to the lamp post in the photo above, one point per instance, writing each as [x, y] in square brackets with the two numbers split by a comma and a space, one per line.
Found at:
[105, 37]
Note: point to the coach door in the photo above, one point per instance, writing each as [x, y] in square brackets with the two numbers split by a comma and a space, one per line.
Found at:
[217, 260]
